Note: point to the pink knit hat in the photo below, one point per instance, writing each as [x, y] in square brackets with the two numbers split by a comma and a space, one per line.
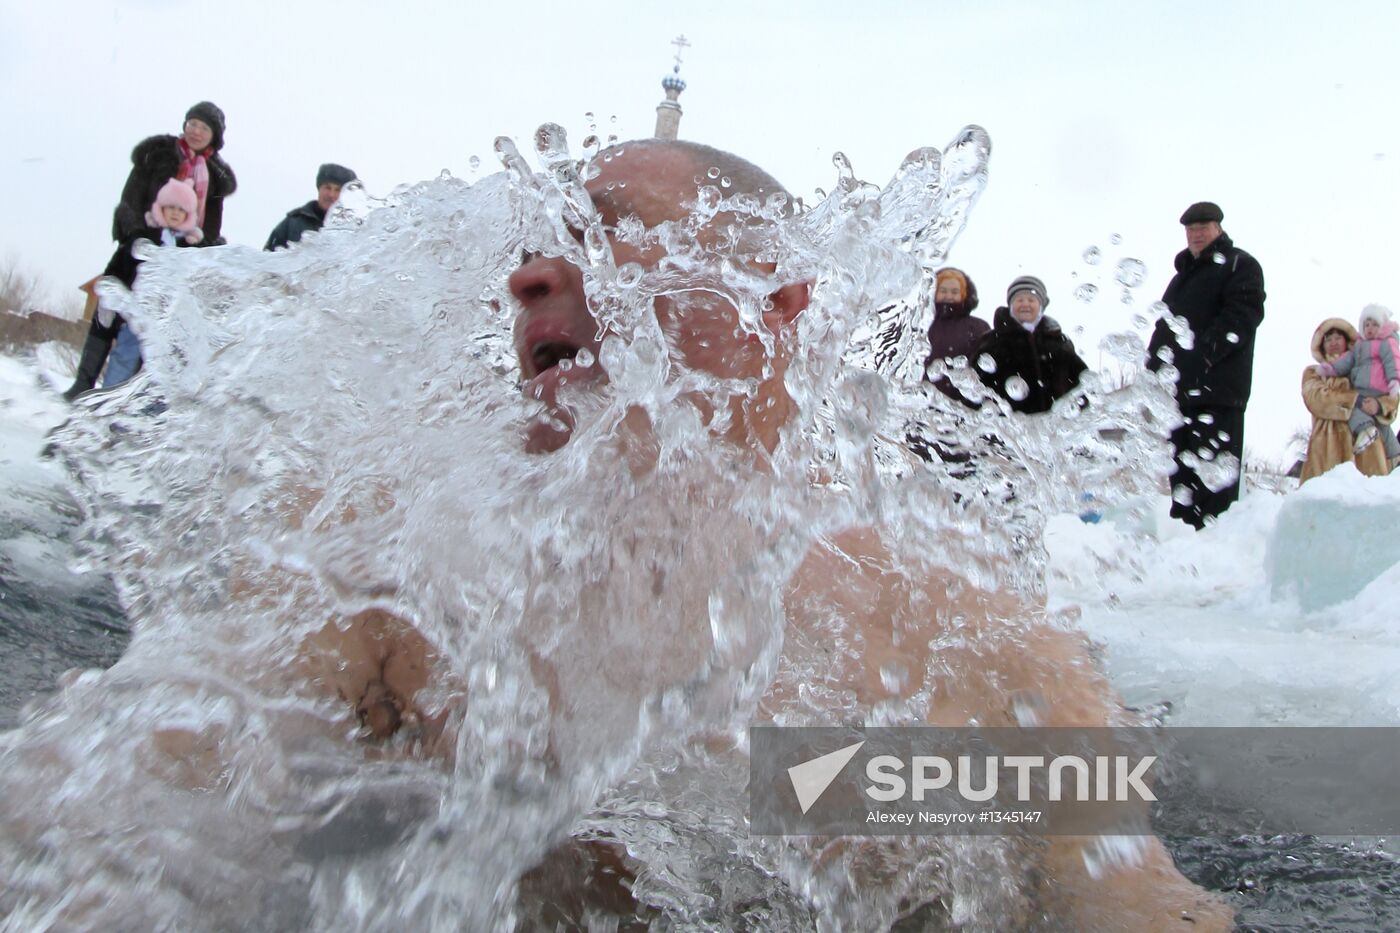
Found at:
[178, 194]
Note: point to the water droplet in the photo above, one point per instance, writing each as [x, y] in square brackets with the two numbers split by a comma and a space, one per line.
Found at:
[713, 172]
[565, 365]
[1115, 238]
[1092, 255]
[986, 363]
[590, 142]
[708, 199]
[1232, 337]
[725, 182]
[1131, 272]
[552, 142]
[1206, 418]
[1141, 321]
[474, 163]
[584, 357]
[1017, 389]
[1158, 308]
[1086, 292]
[1127, 297]
[1182, 495]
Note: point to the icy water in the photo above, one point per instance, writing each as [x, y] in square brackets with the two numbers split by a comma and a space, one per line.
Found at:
[317, 437]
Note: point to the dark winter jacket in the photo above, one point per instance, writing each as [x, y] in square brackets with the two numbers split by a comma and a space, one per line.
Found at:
[1221, 296]
[123, 265]
[1044, 359]
[154, 161]
[298, 221]
[954, 331]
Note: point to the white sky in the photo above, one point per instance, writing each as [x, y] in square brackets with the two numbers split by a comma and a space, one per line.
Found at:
[1106, 118]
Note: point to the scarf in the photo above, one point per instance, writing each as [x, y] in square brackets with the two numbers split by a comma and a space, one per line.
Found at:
[193, 167]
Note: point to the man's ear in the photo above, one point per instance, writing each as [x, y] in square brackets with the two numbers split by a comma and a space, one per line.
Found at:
[788, 302]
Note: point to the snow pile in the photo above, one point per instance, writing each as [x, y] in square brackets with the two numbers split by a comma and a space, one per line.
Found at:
[1206, 628]
[1334, 538]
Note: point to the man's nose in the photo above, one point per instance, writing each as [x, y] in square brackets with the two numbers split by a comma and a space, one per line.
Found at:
[541, 277]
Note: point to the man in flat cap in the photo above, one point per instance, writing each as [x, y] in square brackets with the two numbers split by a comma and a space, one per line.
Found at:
[1219, 290]
[330, 178]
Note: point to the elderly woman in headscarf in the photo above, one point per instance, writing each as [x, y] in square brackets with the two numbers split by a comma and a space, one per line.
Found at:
[1330, 400]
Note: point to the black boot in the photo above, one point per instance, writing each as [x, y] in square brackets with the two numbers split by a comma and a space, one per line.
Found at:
[95, 349]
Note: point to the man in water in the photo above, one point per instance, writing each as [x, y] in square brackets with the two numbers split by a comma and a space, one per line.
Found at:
[1219, 289]
[894, 609]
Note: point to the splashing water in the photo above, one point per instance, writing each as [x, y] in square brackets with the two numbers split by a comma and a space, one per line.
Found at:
[335, 431]
[1131, 272]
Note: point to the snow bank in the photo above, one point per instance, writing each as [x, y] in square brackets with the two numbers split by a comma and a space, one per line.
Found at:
[1334, 537]
[1191, 621]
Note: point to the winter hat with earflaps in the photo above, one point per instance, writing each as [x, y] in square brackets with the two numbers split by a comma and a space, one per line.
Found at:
[175, 193]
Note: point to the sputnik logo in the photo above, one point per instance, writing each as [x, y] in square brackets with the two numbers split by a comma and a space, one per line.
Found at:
[811, 778]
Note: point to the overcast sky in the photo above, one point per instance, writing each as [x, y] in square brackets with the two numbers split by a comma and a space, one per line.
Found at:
[1106, 118]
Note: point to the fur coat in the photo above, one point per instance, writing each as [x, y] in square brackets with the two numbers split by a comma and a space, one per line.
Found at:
[1330, 400]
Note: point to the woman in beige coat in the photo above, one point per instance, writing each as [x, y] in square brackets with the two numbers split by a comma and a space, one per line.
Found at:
[1330, 400]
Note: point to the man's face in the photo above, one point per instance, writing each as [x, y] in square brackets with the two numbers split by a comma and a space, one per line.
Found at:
[1371, 329]
[949, 291]
[327, 194]
[1025, 306]
[198, 134]
[557, 337]
[1199, 236]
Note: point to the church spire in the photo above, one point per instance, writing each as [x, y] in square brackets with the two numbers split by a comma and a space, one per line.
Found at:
[668, 112]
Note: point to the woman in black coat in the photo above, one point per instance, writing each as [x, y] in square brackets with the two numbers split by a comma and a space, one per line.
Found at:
[193, 156]
[1032, 362]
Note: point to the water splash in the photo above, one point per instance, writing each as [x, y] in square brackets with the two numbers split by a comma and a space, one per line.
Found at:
[1131, 272]
[335, 430]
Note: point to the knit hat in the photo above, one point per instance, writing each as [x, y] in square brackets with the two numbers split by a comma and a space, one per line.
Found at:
[969, 290]
[1378, 313]
[333, 174]
[1028, 283]
[210, 115]
[180, 194]
[1202, 212]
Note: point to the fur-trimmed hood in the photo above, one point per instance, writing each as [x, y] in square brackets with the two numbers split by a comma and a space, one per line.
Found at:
[1332, 323]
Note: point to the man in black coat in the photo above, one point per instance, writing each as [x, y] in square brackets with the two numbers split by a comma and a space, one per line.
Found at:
[330, 178]
[1219, 291]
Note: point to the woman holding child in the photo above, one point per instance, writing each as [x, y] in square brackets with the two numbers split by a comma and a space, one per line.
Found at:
[1331, 400]
[193, 160]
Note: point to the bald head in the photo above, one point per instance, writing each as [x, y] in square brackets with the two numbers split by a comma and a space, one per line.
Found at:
[654, 178]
